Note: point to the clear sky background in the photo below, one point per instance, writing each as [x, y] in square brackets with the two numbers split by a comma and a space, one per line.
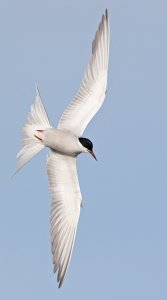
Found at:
[121, 247]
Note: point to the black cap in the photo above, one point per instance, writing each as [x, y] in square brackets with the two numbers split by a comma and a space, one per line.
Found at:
[86, 143]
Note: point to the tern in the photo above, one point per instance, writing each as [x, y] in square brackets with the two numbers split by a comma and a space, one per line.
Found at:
[66, 143]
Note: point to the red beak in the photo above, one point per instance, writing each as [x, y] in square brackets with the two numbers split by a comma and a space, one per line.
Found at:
[92, 153]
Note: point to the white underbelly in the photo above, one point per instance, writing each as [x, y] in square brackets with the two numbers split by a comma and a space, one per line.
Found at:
[62, 141]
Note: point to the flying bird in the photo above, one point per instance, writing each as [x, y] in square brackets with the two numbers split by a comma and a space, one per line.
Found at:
[66, 143]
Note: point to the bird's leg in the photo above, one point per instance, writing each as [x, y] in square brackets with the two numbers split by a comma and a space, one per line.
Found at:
[39, 130]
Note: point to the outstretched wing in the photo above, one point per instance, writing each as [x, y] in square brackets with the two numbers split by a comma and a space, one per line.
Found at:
[65, 209]
[92, 91]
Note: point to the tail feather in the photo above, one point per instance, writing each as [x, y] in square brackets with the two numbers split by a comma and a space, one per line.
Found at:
[37, 120]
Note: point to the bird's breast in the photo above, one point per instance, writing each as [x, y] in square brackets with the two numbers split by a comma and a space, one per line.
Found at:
[62, 141]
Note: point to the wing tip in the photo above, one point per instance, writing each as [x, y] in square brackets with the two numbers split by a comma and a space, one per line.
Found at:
[106, 13]
[60, 283]
[106, 16]
[37, 90]
[60, 278]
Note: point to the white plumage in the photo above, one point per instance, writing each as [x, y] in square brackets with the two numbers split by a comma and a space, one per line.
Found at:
[65, 144]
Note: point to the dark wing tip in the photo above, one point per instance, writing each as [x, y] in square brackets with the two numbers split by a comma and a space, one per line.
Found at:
[60, 283]
[106, 13]
[104, 18]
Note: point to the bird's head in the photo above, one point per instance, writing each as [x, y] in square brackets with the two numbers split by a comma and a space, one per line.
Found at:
[87, 146]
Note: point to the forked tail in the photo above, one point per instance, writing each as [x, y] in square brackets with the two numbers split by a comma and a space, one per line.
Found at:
[37, 121]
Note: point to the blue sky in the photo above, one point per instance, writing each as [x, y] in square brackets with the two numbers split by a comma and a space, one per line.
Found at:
[121, 246]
